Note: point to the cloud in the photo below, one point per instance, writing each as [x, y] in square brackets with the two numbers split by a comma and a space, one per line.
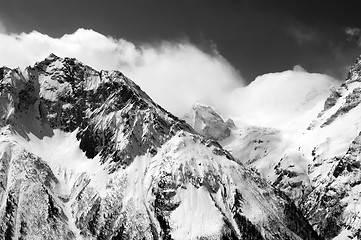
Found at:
[279, 99]
[174, 74]
[303, 34]
[177, 74]
[3, 28]
[353, 34]
[353, 31]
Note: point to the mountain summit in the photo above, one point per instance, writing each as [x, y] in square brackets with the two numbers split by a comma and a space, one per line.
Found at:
[87, 154]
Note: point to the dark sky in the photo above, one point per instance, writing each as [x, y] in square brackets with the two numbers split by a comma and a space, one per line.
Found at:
[255, 36]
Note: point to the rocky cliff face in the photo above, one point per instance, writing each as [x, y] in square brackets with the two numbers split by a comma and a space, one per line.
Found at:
[105, 107]
[332, 205]
[88, 155]
[342, 99]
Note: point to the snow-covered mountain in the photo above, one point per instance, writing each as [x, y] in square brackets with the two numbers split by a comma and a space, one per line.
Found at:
[315, 159]
[88, 155]
[208, 123]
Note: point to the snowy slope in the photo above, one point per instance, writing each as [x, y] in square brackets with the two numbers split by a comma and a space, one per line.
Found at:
[89, 155]
[334, 169]
[314, 156]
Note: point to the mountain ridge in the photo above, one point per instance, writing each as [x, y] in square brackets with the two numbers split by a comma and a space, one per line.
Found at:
[88, 155]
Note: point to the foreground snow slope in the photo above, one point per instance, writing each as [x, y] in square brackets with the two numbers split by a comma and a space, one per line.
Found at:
[88, 155]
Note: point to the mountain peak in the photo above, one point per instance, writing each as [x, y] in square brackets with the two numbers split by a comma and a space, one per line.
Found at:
[299, 68]
[52, 56]
[113, 117]
[342, 99]
[3, 71]
[354, 74]
[207, 122]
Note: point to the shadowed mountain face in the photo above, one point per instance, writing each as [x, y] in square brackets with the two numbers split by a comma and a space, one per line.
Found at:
[105, 107]
[89, 155]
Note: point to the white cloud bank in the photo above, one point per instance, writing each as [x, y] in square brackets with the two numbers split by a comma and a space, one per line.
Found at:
[281, 99]
[176, 75]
